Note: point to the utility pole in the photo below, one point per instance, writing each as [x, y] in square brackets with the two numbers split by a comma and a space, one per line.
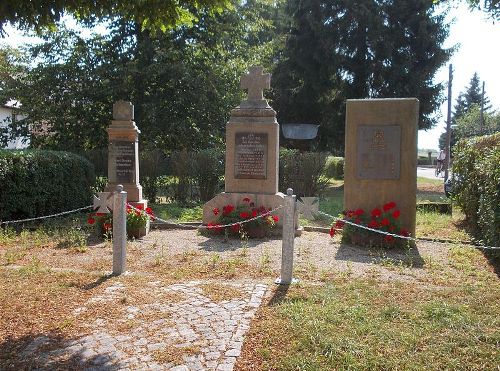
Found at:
[481, 120]
[448, 125]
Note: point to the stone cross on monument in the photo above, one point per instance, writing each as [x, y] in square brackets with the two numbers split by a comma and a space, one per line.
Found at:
[255, 82]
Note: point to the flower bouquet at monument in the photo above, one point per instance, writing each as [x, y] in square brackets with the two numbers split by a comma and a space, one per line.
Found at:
[244, 219]
[384, 219]
[137, 220]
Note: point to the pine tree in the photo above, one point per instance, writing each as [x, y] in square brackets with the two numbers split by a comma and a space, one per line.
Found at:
[470, 97]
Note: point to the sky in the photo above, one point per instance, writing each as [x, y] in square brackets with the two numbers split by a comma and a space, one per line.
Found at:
[478, 51]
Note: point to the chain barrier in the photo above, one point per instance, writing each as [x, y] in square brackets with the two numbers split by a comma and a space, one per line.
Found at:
[46, 216]
[201, 226]
[409, 238]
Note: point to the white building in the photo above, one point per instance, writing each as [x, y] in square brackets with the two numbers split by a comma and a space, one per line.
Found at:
[8, 113]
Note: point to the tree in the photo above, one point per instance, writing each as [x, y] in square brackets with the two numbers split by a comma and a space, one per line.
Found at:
[470, 123]
[368, 49]
[492, 7]
[472, 96]
[149, 14]
[183, 82]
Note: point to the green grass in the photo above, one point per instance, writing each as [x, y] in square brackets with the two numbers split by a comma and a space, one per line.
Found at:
[423, 180]
[366, 325]
[182, 213]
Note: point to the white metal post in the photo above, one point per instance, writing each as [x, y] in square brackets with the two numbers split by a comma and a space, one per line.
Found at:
[119, 231]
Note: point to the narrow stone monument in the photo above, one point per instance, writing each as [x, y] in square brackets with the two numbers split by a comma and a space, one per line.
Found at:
[252, 150]
[123, 155]
[381, 156]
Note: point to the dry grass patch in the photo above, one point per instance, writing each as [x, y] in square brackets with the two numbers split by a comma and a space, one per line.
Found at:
[218, 292]
[175, 355]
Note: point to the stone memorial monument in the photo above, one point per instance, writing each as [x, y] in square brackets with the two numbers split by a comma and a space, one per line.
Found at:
[252, 150]
[381, 156]
[123, 154]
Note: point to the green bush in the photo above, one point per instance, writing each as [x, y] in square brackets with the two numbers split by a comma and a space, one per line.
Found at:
[334, 167]
[208, 170]
[36, 183]
[152, 166]
[476, 185]
[302, 171]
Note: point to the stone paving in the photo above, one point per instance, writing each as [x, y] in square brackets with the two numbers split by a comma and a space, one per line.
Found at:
[188, 332]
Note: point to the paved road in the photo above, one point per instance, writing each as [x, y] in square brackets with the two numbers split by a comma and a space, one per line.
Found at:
[428, 173]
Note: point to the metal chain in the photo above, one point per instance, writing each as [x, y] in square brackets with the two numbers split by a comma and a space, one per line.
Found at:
[405, 237]
[46, 216]
[268, 213]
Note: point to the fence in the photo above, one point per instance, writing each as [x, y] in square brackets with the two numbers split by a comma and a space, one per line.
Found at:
[116, 202]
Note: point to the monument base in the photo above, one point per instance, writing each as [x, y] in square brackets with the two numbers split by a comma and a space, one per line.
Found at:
[235, 199]
[134, 191]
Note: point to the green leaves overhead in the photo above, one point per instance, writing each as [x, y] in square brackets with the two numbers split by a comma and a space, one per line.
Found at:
[153, 15]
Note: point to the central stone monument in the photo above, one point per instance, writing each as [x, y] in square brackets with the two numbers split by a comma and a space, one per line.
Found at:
[252, 151]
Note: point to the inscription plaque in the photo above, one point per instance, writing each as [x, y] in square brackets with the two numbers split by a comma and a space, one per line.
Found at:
[250, 156]
[123, 156]
[378, 152]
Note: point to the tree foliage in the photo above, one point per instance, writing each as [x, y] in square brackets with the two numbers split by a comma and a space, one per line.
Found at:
[153, 15]
[183, 83]
[339, 49]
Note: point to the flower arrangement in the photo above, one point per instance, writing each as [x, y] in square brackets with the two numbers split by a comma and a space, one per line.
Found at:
[239, 215]
[136, 219]
[385, 218]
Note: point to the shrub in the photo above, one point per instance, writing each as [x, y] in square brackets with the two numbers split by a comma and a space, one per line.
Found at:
[181, 165]
[476, 185]
[152, 165]
[334, 167]
[35, 183]
[208, 169]
[302, 171]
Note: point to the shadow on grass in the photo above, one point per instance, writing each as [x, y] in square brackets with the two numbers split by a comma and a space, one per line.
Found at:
[409, 257]
[51, 352]
[98, 282]
[279, 295]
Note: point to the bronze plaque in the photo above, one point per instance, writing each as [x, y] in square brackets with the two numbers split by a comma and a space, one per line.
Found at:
[378, 152]
[123, 155]
[250, 156]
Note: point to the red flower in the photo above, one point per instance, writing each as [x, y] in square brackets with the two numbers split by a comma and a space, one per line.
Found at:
[216, 211]
[376, 212]
[91, 220]
[332, 231]
[396, 214]
[254, 213]
[357, 221]
[339, 224]
[140, 207]
[388, 206]
[276, 218]
[100, 214]
[244, 215]
[246, 199]
[404, 232]
[227, 209]
[373, 224]
[107, 226]
[385, 222]
[359, 212]
[349, 213]
[388, 238]
[236, 228]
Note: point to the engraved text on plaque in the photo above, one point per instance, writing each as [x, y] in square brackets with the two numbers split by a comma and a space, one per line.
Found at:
[378, 152]
[250, 160]
[123, 155]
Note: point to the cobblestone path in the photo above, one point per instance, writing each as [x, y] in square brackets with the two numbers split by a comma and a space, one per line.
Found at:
[186, 330]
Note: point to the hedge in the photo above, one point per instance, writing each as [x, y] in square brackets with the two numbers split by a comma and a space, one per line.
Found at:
[35, 183]
[476, 185]
[334, 167]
